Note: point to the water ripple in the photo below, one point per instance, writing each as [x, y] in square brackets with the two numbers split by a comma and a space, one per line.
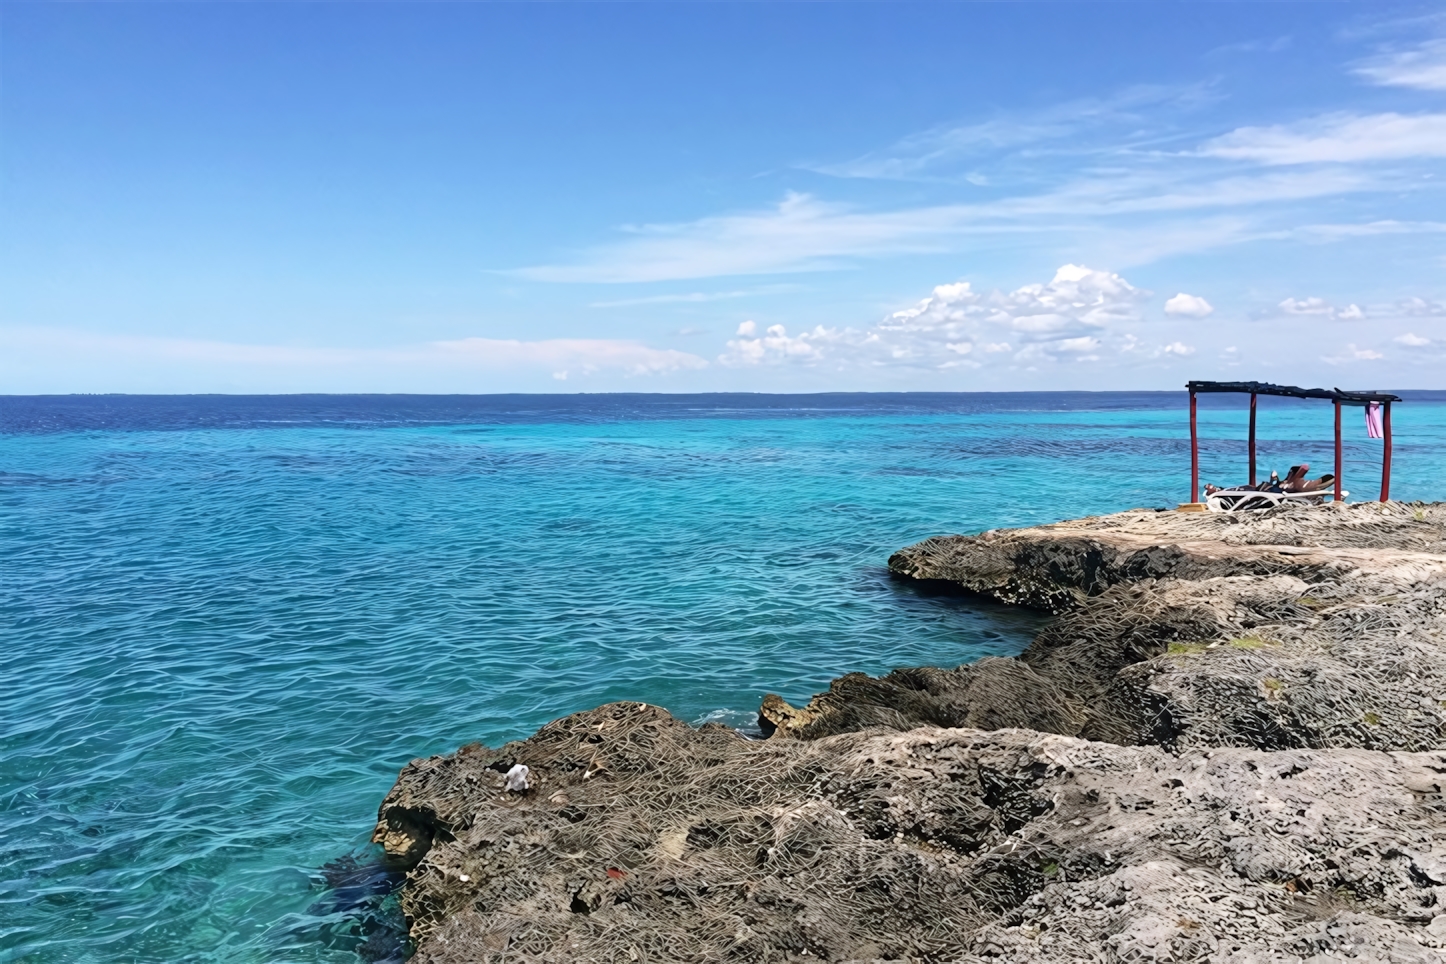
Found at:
[234, 620]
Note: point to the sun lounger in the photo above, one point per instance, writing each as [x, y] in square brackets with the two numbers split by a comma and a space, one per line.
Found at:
[1243, 500]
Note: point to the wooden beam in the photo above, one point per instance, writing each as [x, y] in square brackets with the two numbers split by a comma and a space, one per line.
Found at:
[1386, 455]
[1338, 451]
[1252, 438]
[1194, 454]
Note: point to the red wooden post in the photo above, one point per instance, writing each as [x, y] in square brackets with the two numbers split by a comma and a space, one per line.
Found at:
[1386, 456]
[1252, 438]
[1194, 454]
[1338, 451]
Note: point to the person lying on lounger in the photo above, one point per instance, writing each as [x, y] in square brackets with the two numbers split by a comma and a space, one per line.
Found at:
[1294, 482]
[1271, 484]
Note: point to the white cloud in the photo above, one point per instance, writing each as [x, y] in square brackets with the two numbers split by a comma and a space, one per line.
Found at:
[1352, 353]
[1338, 232]
[1335, 138]
[587, 355]
[1129, 163]
[1306, 306]
[1253, 47]
[800, 234]
[695, 297]
[1191, 306]
[1178, 348]
[803, 233]
[1069, 316]
[775, 345]
[1074, 345]
[1418, 307]
[1320, 308]
[1422, 67]
[937, 152]
[1413, 340]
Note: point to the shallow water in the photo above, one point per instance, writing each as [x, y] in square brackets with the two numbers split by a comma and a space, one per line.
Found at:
[232, 620]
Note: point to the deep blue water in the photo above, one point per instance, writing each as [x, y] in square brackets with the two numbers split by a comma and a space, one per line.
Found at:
[231, 620]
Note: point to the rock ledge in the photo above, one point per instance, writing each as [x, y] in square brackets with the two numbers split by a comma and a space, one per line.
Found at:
[1227, 748]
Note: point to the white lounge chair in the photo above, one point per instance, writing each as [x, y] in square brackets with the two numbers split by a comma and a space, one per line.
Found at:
[1245, 500]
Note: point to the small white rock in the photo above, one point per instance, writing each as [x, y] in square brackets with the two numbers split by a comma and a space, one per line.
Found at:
[517, 778]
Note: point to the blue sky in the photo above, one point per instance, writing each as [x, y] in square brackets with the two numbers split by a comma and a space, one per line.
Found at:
[683, 197]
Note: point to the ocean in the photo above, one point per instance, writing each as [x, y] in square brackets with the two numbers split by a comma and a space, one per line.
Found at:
[230, 620]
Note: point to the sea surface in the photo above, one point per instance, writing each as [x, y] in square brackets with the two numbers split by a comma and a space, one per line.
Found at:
[228, 621]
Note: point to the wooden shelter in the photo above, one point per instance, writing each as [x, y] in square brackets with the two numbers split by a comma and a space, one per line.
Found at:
[1335, 395]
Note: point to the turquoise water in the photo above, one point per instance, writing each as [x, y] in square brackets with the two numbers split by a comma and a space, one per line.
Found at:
[231, 621]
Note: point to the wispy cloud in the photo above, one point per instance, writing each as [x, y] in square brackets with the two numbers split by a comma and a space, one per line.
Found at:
[803, 233]
[1422, 66]
[946, 151]
[696, 297]
[1335, 138]
[800, 234]
[1338, 232]
[1137, 188]
[1352, 353]
[556, 355]
[1253, 47]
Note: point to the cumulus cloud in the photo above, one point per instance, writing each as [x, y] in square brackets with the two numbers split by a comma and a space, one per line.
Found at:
[1412, 340]
[1335, 138]
[1191, 306]
[1178, 348]
[1320, 308]
[1422, 67]
[1072, 316]
[775, 345]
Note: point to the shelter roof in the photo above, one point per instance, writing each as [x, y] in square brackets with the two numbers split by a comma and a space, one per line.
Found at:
[1290, 391]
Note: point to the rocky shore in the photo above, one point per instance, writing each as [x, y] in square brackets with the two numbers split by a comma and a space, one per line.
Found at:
[1227, 747]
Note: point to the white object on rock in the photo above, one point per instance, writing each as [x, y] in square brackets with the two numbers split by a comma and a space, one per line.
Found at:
[517, 778]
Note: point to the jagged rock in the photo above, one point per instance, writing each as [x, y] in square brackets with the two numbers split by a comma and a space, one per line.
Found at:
[645, 839]
[1298, 627]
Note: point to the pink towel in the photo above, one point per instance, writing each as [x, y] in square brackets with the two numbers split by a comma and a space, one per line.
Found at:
[1373, 420]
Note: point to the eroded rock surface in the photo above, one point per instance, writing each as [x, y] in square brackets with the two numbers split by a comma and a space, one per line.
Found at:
[645, 839]
[1299, 627]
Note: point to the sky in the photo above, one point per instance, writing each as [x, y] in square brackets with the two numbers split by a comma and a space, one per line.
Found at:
[787, 197]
